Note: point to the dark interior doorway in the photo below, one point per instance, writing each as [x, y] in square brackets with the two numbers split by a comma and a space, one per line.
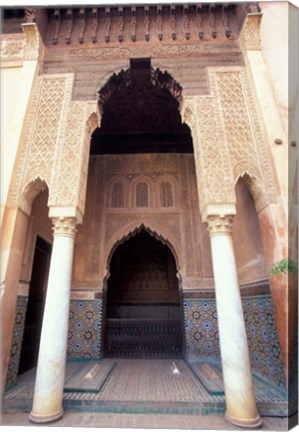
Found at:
[140, 113]
[143, 314]
[35, 307]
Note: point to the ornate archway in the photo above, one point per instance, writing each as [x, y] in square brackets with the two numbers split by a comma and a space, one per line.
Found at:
[143, 306]
[140, 109]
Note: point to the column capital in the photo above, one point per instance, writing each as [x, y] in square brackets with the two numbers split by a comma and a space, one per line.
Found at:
[220, 224]
[65, 226]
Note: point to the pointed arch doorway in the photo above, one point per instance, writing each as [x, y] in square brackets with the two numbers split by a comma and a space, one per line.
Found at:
[143, 308]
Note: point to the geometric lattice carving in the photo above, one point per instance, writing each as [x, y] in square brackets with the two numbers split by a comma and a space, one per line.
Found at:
[46, 127]
[117, 195]
[227, 140]
[166, 195]
[213, 170]
[238, 130]
[70, 169]
[142, 195]
[41, 132]
[241, 125]
[66, 172]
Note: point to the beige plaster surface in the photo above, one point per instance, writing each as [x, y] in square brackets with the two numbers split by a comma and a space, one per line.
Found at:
[13, 242]
[22, 80]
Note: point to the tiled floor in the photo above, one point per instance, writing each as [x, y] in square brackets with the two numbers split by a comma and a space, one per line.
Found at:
[141, 421]
[143, 386]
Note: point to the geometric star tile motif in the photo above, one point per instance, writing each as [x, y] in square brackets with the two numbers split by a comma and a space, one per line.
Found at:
[202, 337]
[85, 324]
[16, 345]
[85, 338]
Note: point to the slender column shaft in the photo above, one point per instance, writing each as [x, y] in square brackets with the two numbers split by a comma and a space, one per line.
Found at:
[48, 393]
[241, 407]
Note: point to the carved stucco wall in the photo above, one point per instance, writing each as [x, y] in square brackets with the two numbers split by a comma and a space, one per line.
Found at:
[104, 227]
[55, 146]
[70, 168]
[43, 133]
[228, 141]
[179, 226]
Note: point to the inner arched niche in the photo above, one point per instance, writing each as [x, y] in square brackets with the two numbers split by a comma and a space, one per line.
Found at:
[140, 113]
[143, 303]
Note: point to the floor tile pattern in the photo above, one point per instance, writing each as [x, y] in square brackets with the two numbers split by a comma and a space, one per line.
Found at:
[89, 377]
[210, 376]
[144, 386]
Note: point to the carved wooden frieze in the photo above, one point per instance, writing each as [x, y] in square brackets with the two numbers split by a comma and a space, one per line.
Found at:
[142, 23]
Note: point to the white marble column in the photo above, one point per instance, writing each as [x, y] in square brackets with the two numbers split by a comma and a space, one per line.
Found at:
[241, 407]
[48, 393]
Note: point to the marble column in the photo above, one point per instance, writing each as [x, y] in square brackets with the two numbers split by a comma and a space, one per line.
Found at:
[241, 407]
[48, 392]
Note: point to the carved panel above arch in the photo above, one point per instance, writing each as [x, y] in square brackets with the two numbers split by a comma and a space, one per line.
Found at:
[241, 124]
[42, 132]
[227, 139]
[213, 170]
[68, 184]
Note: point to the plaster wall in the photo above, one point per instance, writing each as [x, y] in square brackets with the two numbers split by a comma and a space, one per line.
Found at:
[10, 81]
[247, 239]
[104, 226]
[180, 226]
[275, 52]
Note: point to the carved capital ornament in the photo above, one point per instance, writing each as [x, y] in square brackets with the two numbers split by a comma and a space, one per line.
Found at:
[64, 226]
[220, 224]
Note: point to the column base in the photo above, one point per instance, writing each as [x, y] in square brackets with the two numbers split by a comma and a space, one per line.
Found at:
[244, 423]
[37, 418]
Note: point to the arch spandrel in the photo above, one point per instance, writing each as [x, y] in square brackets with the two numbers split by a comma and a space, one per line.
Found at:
[255, 186]
[30, 192]
[68, 186]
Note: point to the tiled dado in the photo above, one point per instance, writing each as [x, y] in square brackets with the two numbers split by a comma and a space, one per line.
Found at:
[202, 338]
[201, 332]
[16, 345]
[201, 328]
[85, 329]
